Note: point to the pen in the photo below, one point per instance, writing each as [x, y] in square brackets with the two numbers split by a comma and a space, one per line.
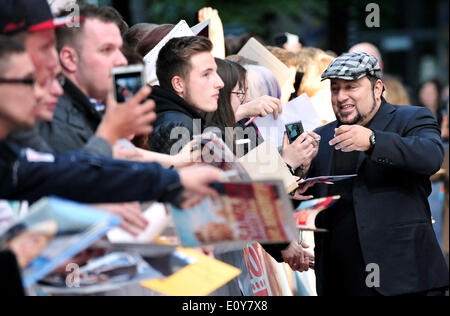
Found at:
[250, 121]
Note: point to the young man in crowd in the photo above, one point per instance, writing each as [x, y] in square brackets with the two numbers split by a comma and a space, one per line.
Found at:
[87, 54]
[188, 87]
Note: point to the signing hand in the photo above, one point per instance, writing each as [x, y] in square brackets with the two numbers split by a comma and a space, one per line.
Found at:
[302, 151]
[349, 138]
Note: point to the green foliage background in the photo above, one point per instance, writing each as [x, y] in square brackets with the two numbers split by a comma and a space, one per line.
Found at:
[251, 15]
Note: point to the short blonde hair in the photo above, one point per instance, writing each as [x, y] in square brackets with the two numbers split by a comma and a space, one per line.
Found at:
[311, 82]
[395, 91]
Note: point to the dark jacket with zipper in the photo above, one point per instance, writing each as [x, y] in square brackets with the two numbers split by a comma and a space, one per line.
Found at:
[176, 123]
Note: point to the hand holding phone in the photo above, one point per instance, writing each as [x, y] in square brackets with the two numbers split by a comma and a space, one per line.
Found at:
[127, 81]
[294, 130]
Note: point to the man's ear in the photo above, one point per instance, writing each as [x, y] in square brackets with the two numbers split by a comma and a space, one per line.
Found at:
[178, 85]
[69, 59]
[378, 89]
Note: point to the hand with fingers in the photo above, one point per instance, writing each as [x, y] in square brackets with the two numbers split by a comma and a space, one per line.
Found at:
[261, 106]
[349, 138]
[131, 118]
[295, 256]
[188, 156]
[196, 182]
[132, 219]
[302, 151]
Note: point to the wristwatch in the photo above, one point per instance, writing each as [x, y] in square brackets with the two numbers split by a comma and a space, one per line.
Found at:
[372, 140]
[292, 170]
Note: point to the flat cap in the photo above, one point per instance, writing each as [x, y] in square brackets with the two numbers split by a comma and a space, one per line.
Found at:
[353, 66]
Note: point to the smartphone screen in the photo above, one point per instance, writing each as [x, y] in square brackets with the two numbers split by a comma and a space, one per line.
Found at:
[127, 85]
[294, 130]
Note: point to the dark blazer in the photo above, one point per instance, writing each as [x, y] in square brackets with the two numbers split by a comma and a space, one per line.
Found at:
[390, 199]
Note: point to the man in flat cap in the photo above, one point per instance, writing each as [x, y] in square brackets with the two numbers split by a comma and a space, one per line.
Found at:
[380, 238]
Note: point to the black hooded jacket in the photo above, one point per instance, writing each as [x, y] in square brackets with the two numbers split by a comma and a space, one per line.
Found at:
[173, 112]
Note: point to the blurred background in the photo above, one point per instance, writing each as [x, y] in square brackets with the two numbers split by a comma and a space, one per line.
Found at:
[412, 34]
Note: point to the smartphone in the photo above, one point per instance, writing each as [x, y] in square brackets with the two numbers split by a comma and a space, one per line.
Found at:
[294, 130]
[127, 81]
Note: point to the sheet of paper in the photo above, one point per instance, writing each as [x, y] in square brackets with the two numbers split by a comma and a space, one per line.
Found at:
[180, 30]
[255, 51]
[271, 130]
[158, 219]
[201, 29]
[299, 109]
[198, 279]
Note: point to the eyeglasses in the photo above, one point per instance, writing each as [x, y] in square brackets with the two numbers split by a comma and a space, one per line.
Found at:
[26, 81]
[240, 94]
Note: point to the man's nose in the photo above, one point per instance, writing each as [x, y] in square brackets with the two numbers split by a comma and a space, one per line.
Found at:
[120, 60]
[342, 95]
[219, 82]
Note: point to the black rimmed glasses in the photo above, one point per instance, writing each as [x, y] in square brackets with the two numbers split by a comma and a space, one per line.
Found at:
[26, 81]
[240, 94]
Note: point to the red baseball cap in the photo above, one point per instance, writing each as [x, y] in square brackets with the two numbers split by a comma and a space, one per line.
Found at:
[30, 16]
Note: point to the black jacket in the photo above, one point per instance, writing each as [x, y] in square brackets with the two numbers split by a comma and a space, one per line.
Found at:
[11, 280]
[74, 125]
[83, 178]
[173, 112]
[390, 193]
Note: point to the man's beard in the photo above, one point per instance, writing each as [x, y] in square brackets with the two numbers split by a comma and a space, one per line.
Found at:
[360, 118]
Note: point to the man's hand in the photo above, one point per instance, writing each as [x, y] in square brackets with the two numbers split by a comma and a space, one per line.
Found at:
[130, 118]
[302, 188]
[302, 151]
[189, 155]
[349, 138]
[196, 181]
[132, 219]
[296, 257]
[261, 106]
